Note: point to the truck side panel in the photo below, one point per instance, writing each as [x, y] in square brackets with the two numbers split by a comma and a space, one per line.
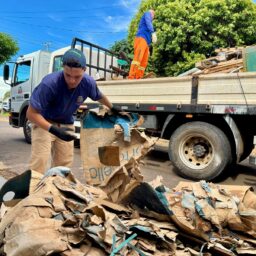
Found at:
[172, 90]
[237, 88]
[220, 89]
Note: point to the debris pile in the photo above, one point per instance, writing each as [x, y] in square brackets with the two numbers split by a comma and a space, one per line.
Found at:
[227, 60]
[221, 215]
[64, 217]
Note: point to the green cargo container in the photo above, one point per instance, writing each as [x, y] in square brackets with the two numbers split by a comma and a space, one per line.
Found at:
[249, 58]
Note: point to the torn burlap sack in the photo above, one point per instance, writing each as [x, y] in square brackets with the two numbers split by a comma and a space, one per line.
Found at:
[110, 149]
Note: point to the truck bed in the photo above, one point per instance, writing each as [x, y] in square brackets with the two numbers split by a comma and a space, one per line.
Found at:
[216, 89]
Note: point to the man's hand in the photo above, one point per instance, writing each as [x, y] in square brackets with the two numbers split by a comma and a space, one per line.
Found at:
[62, 133]
[154, 38]
[116, 110]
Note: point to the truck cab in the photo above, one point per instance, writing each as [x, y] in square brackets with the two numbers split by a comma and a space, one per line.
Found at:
[27, 73]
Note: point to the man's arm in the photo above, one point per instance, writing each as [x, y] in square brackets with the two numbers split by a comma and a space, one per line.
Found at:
[148, 20]
[35, 117]
[61, 132]
[114, 109]
[105, 101]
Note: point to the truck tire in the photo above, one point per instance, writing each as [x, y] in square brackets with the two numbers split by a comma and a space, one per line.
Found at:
[27, 130]
[199, 151]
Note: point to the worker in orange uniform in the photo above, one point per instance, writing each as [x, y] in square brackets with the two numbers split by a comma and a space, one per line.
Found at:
[145, 35]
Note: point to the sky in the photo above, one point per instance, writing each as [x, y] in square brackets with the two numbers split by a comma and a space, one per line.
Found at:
[51, 24]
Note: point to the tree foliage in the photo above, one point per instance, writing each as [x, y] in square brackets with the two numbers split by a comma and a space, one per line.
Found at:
[125, 47]
[121, 45]
[8, 47]
[190, 30]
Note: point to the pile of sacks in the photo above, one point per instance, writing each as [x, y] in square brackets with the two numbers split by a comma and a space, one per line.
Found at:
[61, 216]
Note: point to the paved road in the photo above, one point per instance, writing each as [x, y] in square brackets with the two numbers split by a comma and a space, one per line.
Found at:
[15, 154]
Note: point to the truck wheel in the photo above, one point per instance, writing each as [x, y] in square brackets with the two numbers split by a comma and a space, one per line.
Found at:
[199, 151]
[27, 130]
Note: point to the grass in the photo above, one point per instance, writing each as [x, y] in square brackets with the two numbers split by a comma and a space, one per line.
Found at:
[4, 114]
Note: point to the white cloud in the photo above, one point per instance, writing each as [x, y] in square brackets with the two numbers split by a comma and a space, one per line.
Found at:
[109, 18]
[117, 23]
[132, 5]
[121, 23]
[55, 17]
[58, 36]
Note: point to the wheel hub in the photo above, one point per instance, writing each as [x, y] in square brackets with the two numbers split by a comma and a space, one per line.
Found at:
[199, 150]
[196, 152]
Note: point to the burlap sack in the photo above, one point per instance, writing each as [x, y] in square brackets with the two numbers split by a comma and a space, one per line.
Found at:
[101, 134]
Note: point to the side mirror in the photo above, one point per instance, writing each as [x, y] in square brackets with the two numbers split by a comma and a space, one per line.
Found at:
[6, 72]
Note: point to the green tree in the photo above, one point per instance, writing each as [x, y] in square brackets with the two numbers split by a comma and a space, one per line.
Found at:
[190, 30]
[122, 46]
[8, 47]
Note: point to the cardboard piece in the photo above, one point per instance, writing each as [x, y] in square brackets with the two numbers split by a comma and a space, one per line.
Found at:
[109, 159]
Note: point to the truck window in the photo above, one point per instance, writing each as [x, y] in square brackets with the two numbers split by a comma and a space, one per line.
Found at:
[57, 63]
[22, 73]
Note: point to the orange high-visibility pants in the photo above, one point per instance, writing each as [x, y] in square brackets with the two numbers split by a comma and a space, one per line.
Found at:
[140, 59]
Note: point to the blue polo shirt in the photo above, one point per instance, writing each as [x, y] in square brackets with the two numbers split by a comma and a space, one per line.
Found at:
[145, 28]
[55, 102]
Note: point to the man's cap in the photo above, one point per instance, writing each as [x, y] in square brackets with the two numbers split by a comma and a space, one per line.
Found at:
[74, 58]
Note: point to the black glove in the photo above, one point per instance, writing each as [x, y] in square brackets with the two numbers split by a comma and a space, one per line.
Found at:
[62, 133]
[116, 110]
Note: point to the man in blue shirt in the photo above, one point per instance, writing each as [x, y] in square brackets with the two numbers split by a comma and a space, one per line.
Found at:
[51, 109]
[145, 35]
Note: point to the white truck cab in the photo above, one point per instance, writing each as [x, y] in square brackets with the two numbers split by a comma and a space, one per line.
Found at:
[27, 73]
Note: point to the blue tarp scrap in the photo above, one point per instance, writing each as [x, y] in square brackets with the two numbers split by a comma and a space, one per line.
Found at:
[188, 201]
[126, 242]
[162, 198]
[93, 231]
[61, 171]
[205, 186]
[93, 121]
[142, 228]
[199, 209]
